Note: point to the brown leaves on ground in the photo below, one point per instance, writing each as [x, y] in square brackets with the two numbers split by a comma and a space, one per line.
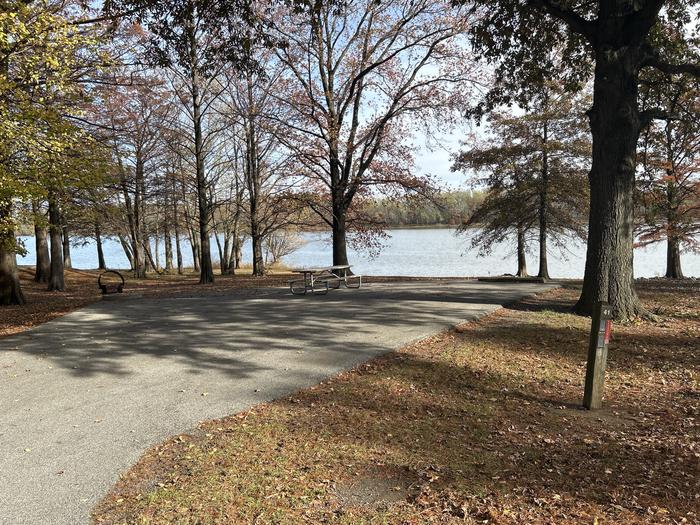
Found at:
[81, 290]
[477, 426]
[43, 305]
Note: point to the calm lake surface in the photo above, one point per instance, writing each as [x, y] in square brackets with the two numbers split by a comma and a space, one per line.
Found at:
[409, 252]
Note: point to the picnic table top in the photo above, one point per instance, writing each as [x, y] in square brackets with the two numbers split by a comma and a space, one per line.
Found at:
[321, 268]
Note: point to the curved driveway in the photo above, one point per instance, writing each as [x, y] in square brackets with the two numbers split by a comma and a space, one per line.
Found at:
[83, 396]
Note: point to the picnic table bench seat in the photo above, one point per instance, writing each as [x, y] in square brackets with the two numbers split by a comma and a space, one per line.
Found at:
[320, 280]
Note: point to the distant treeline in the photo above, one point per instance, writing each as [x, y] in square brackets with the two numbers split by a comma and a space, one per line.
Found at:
[449, 208]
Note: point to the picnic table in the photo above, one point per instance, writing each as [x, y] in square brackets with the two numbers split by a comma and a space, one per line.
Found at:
[321, 279]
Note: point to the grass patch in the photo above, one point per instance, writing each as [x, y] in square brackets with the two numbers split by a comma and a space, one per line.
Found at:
[477, 425]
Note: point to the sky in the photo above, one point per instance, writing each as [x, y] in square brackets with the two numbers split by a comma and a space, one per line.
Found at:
[435, 158]
[437, 162]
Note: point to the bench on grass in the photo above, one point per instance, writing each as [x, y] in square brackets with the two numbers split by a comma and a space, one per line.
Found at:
[110, 287]
[320, 280]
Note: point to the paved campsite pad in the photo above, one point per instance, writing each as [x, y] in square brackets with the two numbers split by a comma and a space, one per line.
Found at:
[83, 396]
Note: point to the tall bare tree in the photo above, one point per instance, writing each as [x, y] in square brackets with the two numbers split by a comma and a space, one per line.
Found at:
[364, 73]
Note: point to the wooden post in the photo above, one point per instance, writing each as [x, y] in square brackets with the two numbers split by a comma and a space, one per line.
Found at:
[597, 356]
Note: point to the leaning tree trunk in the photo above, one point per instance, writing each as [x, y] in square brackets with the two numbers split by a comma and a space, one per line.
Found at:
[194, 245]
[222, 257]
[57, 281]
[100, 252]
[127, 251]
[615, 126]
[522, 261]
[673, 258]
[42, 270]
[67, 262]
[149, 256]
[156, 250]
[10, 288]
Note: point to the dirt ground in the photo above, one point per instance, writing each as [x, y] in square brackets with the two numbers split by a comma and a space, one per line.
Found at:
[481, 424]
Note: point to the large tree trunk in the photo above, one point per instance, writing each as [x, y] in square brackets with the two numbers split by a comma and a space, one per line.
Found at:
[42, 271]
[67, 262]
[100, 253]
[615, 126]
[673, 258]
[256, 240]
[57, 281]
[10, 288]
[522, 261]
[206, 270]
[253, 174]
[340, 250]
[543, 190]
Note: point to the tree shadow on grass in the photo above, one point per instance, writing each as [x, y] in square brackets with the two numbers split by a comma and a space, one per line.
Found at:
[489, 415]
[486, 434]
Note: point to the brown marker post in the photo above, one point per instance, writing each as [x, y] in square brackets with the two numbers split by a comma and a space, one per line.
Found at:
[597, 356]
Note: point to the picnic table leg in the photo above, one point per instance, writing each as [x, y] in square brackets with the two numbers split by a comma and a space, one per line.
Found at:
[348, 285]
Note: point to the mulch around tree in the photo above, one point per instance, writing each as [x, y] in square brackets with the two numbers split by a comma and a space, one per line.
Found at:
[481, 424]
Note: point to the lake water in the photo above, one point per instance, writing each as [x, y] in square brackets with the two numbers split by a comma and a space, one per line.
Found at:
[409, 252]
